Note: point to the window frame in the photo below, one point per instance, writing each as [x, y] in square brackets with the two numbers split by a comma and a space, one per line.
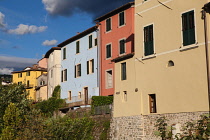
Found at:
[106, 78]
[64, 53]
[77, 47]
[152, 104]
[90, 66]
[123, 71]
[120, 46]
[148, 40]
[119, 19]
[28, 73]
[108, 57]
[108, 24]
[189, 40]
[90, 39]
[78, 72]
[65, 75]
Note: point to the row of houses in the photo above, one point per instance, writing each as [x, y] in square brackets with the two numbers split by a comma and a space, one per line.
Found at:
[151, 55]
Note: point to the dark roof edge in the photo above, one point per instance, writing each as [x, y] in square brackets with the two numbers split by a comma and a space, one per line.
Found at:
[124, 57]
[119, 9]
[80, 35]
[45, 70]
[50, 51]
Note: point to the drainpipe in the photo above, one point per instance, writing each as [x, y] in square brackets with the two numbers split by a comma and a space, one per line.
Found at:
[206, 9]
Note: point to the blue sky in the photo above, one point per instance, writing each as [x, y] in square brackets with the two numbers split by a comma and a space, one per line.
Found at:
[29, 28]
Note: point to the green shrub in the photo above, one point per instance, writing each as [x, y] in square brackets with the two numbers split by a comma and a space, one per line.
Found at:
[56, 92]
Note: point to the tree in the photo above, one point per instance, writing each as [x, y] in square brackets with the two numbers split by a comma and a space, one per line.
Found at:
[56, 92]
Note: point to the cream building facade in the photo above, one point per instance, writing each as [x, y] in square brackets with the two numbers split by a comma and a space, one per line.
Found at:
[53, 68]
[168, 74]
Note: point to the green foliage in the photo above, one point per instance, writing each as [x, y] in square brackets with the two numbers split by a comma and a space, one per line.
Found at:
[13, 94]
[105, 132]
[198, 130]
[71, 129]
[100, 101]
[56, 92]
[47, 107]
[12, 120]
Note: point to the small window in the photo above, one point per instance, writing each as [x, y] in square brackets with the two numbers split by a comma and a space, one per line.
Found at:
[125, 96]
[170, 63]
[19, 83]
[152, 103]
[123, 71]
[62, 76]
[122, 46]
[65, 75]
[79, 95]
[96, 42]
[28, 73]
[148, 40]
[70, 95]
[19, 75]
[109, 79]
[122, 18]
[90, 41]
[64, 53]
[188, 28]
[108, 51]
[77, 72]
[108, 24]
[90, 66]
[28, 83]
[77, 47]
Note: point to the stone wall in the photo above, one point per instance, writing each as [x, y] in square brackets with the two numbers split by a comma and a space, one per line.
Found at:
[142, 127]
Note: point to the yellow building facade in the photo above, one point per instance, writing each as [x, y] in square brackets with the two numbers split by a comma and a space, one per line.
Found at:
[28, 77]
[172, 75]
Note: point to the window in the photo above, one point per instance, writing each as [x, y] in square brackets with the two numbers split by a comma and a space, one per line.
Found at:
[122, 46]
[152, 103]
[188, 28]
[51, 73]
[170, 63]
[19, 75]
[28, 73]
[79, 95]
[19, 83]
[122, 18]
[42, 83]
[108, 24]
[148, 40]
[64, 53]
[109, 80]
[96, 42]
[70, 95]
[108, 51]
[28, 83]
[65, 75]
[77, 47]
[62, 76]
[124, 96]
[90, 66]
[77, 71]
[123, 71]
[90, 41]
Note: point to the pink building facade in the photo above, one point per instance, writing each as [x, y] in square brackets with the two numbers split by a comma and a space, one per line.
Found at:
[116, 40]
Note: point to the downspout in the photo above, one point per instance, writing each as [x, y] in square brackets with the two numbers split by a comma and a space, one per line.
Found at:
[206, 9]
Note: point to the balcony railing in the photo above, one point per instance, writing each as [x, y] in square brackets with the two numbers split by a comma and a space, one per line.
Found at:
[76, 101]
[29, 86]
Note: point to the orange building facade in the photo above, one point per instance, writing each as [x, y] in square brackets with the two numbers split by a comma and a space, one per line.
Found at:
[116, 40]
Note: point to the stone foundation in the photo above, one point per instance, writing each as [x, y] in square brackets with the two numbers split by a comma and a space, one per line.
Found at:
[142, 127]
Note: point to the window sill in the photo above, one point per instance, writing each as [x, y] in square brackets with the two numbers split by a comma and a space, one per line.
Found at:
[120, 26]
[108, 31]
[188, 47]
[108, 58]
[148, 57]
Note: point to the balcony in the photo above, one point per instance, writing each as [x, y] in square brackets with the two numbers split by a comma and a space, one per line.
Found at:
[28, 86]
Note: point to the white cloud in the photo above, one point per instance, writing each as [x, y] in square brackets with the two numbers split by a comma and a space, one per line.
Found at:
[6, 70]
[49, 42]
[26, 29]
[2, 24]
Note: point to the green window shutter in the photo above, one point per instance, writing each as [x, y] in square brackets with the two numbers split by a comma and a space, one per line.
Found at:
[148, 40]
[77, 47]
[75, 71]
[188, 28]
[87, 67]
[123, 71]
[108, 24]
[122, 46]
[90, 41]
[92, 65]
[121, 19]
